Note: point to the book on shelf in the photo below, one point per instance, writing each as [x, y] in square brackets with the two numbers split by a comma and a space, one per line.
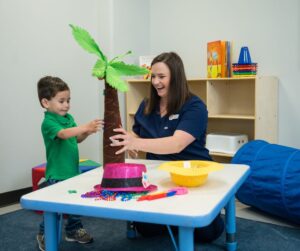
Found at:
[219, 59]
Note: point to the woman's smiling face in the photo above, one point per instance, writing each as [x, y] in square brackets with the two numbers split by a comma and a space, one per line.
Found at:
[160, 78]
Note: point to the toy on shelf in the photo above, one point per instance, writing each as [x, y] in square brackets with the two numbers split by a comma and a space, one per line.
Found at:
[244, 67]
[145, 61]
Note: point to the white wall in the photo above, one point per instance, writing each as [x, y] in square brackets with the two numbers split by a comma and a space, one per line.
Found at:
[131, 24]
[270, 28]
[36, 41]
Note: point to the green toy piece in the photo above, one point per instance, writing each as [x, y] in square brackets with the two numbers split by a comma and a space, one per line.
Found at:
[72, 191]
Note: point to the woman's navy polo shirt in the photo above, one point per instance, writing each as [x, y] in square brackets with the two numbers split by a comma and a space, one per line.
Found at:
[192, 118]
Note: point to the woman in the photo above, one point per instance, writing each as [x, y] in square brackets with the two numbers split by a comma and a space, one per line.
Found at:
[170, 125]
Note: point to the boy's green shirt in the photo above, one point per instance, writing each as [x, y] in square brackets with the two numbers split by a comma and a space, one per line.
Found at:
[62, 154]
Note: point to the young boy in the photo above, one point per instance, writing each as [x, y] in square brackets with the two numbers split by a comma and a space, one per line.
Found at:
[61, 135]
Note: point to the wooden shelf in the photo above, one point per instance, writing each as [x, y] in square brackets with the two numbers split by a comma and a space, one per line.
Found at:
[221, 154]
[231, 116]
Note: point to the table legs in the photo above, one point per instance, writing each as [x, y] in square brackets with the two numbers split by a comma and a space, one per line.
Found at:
[51, 231]
[186, 234]
[231, 243]
[186, 239]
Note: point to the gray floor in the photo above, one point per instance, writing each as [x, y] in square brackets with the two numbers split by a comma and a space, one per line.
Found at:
[10, 208]
[242, 211]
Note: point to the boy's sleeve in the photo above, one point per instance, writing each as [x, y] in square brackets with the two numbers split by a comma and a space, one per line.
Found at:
[50, 128]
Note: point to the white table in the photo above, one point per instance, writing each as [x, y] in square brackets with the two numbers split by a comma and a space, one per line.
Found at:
[196, 209]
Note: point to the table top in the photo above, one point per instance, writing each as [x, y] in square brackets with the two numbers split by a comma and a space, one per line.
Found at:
[195, 209]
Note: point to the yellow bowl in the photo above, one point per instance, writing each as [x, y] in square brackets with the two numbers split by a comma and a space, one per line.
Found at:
[190, 173]
[188, 181]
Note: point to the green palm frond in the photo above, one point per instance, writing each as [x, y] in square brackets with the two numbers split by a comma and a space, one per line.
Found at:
[99, 69]
[85, 40]
[114, 79]
[120, 56]
[128, 70]
[113, 70]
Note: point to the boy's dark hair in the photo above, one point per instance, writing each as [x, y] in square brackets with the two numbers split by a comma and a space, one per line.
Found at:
[178, 91]
[48, 87]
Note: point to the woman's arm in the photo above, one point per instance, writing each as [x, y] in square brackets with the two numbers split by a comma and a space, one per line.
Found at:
[165, 145]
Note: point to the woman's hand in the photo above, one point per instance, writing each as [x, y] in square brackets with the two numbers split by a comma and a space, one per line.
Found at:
[133, 154]
[124, 139]
[165, 145]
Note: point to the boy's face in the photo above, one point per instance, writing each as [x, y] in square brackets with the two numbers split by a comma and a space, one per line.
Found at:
[60, 104]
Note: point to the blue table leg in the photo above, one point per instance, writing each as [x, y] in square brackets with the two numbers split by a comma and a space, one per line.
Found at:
[186, 239]
[51, 234]
[131, 231]
[231, 244]
[60, 219]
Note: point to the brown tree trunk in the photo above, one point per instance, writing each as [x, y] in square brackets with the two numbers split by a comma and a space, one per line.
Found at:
[112, 120]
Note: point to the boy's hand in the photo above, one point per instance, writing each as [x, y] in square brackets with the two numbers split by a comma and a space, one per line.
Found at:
[94, 126]
[82, 131]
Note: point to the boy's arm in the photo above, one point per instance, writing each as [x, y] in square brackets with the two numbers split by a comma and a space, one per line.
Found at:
[82, 131]
[82, 137]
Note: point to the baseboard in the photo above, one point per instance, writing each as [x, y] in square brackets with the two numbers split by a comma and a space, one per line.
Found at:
[13, 197]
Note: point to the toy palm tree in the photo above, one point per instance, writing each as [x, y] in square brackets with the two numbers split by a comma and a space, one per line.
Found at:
[111, 71]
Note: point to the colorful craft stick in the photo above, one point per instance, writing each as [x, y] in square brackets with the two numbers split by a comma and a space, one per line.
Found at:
[156, 196]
